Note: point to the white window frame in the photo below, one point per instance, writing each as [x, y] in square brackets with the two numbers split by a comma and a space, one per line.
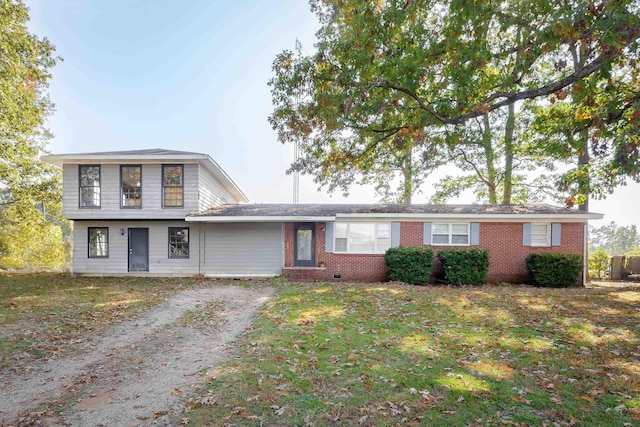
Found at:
[376, 232]
[450, 233]
[547, 234]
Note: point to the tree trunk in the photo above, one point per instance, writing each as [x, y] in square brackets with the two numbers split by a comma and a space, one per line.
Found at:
[583, 162]
[407, 172]
[508, 155]
[489, 154]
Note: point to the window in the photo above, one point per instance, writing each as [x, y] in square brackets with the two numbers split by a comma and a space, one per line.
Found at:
[90, 186]
[98, 242]
[540, 234]
[362, 237]
[172, 189]
[178, 242]
[131, 186]
[450, 234]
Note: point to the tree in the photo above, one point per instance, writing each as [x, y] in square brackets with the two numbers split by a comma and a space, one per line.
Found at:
[30, 189]
[598, 262]
[417, 68]
[615, 239]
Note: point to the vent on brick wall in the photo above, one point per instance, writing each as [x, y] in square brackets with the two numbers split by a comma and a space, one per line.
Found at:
[337, 276]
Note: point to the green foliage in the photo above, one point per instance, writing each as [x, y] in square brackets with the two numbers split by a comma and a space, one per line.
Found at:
[598, 262]
[409, 264]
[465, 267]
[615, 239]
[554, 270]
[390, 76]
[30, 190]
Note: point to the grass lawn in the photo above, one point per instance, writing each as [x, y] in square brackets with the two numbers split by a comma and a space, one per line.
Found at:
[42, 316]
[374, 355]
[383, 355]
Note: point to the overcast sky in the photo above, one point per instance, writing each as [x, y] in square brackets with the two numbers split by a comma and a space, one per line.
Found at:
[192, 76]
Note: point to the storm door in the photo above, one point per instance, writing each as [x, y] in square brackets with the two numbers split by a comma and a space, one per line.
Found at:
[304, 247]
[138, 249]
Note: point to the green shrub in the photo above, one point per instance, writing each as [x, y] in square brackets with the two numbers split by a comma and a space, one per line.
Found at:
[409, 264]
[598, 262]
[465, 267]
[554, 270]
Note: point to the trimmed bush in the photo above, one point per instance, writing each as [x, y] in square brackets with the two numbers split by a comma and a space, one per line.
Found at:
[409, 264]
[554, 270]
[465, 267]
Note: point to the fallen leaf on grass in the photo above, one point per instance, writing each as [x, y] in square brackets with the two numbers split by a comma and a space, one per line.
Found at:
[522, 400]
[556, 399]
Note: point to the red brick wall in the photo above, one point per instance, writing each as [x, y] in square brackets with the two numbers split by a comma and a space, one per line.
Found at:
[507, 254]
[503, 240]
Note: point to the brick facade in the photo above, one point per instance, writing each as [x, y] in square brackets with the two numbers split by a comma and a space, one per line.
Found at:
[503, 240]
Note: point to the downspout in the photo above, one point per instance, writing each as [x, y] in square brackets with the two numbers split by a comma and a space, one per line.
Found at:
[585, 256]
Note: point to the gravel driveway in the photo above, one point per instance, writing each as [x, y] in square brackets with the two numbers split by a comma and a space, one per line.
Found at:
[137, 373]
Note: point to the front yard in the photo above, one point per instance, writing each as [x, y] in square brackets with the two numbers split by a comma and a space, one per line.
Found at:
[383, 354]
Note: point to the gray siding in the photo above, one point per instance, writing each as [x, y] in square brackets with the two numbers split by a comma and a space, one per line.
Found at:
[211, 192]
[110, 194]
[244, 249]
[117, 262]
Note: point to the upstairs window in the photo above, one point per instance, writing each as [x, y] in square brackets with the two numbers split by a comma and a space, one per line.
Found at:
[90, 186]
[362, 237]
[172, 186]
[450, 234]
[178, 242]
[98, 242]
[131, 186]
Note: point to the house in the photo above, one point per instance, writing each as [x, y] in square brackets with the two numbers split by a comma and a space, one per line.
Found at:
[166, 213]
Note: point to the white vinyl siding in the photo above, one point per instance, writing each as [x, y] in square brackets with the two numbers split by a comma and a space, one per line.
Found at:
[244, 249]
[211, 193]
[450, 234]
[118, 260]
[361, 237]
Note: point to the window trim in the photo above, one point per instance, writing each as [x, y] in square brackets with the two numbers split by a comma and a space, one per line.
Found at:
[122, 206]
[450, 233]
[80, 187]
[170, 229]
[89, 229]
[547, 242]
[376, 250]
[181, 166]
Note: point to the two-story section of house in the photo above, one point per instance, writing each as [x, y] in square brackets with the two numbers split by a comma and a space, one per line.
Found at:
[129, 207]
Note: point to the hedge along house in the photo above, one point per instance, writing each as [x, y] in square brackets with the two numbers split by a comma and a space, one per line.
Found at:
[348, 242]
[174, 213]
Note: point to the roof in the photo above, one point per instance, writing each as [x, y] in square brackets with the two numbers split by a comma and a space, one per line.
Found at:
[153, 155]
[311, 212]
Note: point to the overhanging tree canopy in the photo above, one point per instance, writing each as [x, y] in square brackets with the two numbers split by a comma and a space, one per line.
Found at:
[388, 71]
[29, 189]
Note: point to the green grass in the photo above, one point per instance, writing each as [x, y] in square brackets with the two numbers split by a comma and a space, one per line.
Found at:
[43, 316]
[348, 354]
[340, 354]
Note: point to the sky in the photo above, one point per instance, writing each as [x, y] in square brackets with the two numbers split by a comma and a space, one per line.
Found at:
[192, 76]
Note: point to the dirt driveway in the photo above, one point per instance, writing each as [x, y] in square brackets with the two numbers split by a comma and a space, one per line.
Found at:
[137, 373]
